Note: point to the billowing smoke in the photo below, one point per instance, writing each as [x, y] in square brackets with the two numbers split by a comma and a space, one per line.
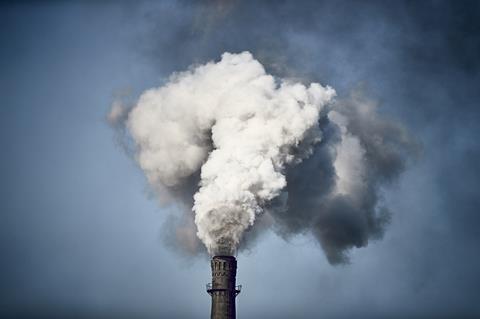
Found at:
[245, 144]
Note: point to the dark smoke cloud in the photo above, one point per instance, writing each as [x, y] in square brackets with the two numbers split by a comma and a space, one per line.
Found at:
[338, 221]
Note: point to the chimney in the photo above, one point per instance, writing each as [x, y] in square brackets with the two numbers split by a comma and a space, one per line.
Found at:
[223, 289]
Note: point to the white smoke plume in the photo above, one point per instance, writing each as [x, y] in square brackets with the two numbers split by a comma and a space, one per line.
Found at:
[232, 134]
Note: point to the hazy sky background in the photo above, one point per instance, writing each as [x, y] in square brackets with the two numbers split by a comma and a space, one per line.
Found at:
[80, 235]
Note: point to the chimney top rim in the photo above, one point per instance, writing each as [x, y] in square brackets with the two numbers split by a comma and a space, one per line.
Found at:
[223, 257]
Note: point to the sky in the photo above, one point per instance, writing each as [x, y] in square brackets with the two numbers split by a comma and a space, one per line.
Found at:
[82, 236]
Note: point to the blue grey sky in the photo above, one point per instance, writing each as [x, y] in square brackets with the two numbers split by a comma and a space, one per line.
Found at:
[80, 233]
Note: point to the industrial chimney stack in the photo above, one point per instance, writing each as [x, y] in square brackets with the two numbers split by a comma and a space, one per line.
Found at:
[223, 289]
